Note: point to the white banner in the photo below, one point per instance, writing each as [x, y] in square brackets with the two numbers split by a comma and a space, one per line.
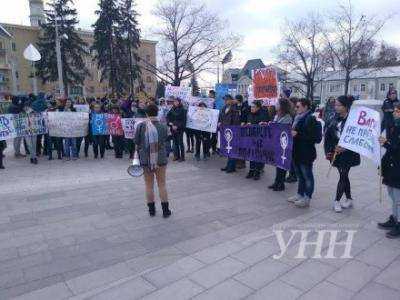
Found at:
[204, 119]
[182, 92]
[195, 101]
[361, 133]
[128, 125]
[82, 107]
[68, 124]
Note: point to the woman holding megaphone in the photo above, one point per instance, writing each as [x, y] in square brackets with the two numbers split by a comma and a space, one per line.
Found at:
[150, 139]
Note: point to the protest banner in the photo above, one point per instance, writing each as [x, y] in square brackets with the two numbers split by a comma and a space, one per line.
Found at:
[265, 86]
[114, 124]
[98, 124]
[361, 133]
[222, 89]
[128, 125]
[82, 107]
[68, 124]
[182, 92]
[271, 144]
[204, 119]
[7, 130]
[21, 125]
[195, 101]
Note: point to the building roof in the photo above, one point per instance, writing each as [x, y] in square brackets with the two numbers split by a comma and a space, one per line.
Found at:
[4, 32]
[250, 65]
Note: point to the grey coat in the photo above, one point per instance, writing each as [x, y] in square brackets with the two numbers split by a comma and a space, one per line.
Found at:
[140, 136]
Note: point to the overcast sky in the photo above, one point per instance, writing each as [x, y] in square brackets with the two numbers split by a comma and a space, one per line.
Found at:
[258, 21]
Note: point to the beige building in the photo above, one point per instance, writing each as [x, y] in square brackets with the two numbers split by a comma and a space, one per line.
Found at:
[16, 72]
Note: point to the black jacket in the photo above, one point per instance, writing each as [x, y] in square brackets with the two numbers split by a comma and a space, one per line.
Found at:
[387, 120]
[231, 116]
[245, 111]
[345, 159]
[177, 116]
[260, 116]
[304, 151]
[3, 145]
[391, 159]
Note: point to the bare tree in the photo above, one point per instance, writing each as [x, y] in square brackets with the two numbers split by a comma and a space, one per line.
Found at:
[350, 39]
[190, 38]
[387, 56]
[303, 50]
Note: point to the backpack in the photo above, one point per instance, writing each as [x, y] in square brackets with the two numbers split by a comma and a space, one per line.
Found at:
[316, 132]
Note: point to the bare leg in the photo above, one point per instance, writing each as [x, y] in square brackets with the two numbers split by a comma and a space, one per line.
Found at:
[161, 182]
[149, 182]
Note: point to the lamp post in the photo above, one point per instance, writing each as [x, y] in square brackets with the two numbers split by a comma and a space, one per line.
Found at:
[59, 61]
[33, 55]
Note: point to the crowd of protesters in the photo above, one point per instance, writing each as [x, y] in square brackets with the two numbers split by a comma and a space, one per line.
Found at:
[170, 129]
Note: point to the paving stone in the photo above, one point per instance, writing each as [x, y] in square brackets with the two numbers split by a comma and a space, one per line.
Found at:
[130, 290]
[256, 252]
[55, 292]
[390, 276]
[98, 278]
[180, 290]
[12, 278]
[217, 252]
[375, 291]
[227, 290]
[379, 255]
[218, 272]
[262, 273]
[173, 272]
[307, 275]
[277, 290]
[354, 275]
[327, 291]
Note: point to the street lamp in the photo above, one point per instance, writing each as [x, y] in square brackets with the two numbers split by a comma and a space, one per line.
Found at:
[59, 61]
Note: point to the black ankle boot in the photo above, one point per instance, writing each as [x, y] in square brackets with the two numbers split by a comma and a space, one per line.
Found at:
[165, 209]
[256, 175]
[152, 209]
[395, 232]
[389, 224]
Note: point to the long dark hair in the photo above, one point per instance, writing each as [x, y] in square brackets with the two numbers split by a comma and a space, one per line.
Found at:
[284, 107]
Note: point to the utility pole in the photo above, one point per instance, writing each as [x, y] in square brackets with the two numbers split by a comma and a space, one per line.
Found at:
[59, 61]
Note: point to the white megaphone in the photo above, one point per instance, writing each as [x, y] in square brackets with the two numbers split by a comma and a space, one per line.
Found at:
[135, 169]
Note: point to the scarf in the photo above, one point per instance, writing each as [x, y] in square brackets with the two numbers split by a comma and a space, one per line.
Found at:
[151, 142]
[298, 117]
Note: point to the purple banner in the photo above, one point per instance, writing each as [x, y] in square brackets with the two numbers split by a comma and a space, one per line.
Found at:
[271, 144]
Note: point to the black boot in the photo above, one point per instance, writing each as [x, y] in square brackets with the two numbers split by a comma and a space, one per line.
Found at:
[272, 186]
[389, 224]
[256, 175]
[152, 209]
[165, 209]
[395, 232]
[250, 174]
[279, 188]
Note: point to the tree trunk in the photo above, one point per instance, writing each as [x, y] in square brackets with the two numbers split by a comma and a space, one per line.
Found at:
[347, 83]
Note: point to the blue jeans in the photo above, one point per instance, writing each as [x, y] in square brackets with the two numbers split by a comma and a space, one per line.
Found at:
[70, 147]
[231, 164]
[305, 178]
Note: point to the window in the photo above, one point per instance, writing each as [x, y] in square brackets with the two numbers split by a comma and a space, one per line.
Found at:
[1, 45]
[14, 47]
[16, 74]
[335, 87]
[148, 79]
[76, 90]
[363, 88]
[91, 89]
[355, 88]
[148, 57]
[383, 87]
[391, 85]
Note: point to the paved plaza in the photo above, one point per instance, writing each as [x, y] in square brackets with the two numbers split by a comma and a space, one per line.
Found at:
[80, 230]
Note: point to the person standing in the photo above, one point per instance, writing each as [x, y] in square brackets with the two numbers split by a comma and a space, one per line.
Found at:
[150, 140]
[17, 107]
[176, 119]
[99, 140]
[388, 108]
[214, 136]
[292, 178]
[391, 174]
[329, 111]
[70, 149]
[202, 140]
[229, 116]
[117, 140]
[305, 135]
[3, 146]
[283, 116]
[257, 116]
[31, 140]
[340, 158]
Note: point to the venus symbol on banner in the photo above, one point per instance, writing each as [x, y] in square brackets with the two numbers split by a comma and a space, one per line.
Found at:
[228, 134]
[284, 141]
